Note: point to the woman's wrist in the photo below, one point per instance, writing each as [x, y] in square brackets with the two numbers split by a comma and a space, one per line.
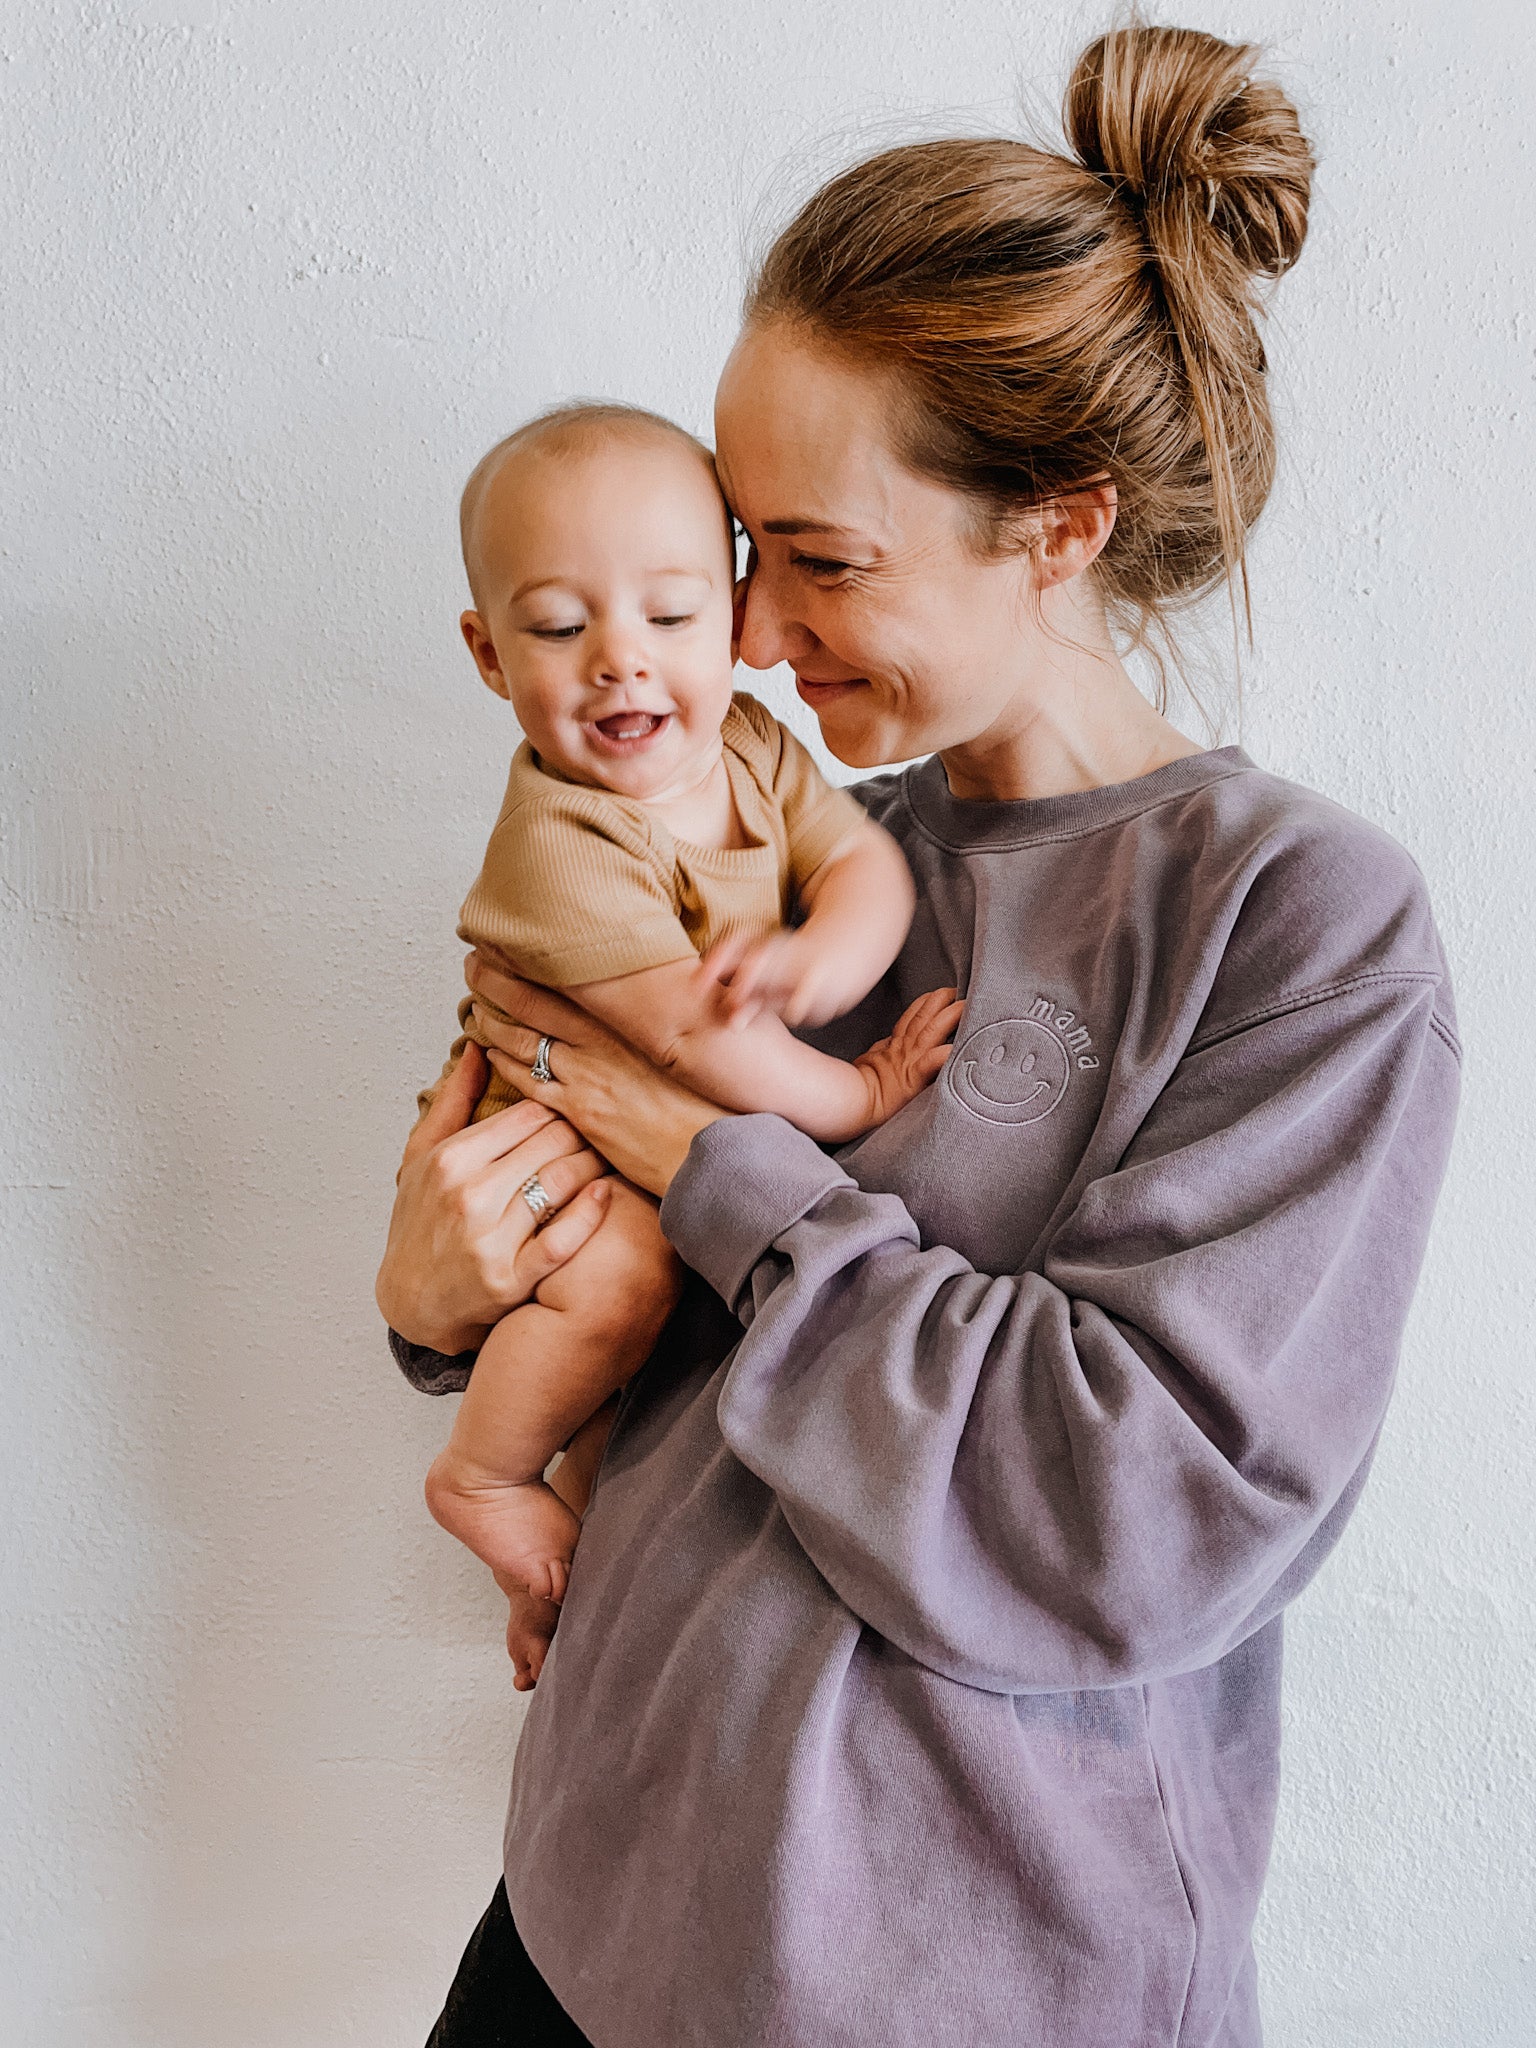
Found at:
[695, 1116]
[420, 1326]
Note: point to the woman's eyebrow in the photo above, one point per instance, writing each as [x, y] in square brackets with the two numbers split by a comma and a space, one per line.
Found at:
[804, 526]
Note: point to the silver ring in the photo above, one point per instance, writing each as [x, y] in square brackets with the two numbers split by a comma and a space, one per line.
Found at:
[540, 1068]
[535, 1194]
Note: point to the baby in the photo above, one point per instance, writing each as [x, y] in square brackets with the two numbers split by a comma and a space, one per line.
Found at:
[657, 834]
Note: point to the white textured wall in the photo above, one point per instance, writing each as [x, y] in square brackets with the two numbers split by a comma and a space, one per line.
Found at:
[272, 275]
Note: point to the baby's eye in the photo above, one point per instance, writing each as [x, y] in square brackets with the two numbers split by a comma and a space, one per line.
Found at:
[674, 619]
[554, 632]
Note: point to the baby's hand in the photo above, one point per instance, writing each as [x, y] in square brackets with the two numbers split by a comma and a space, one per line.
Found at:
[788, 973]
[901, 1066]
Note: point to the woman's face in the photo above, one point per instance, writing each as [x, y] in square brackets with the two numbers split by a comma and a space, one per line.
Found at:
[864, 576]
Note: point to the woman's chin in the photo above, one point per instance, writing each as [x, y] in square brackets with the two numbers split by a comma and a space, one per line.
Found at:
[860, 744]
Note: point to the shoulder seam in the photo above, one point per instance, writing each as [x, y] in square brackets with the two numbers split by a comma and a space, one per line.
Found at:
[1305, 999]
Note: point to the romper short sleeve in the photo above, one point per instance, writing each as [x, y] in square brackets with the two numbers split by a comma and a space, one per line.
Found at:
[816, 813]
[574, 890]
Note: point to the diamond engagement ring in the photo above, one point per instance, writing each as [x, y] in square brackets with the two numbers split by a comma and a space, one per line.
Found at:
[535, 1195]
[540, 1068]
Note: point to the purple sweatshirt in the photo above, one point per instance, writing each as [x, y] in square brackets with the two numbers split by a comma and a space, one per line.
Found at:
[919, 1677]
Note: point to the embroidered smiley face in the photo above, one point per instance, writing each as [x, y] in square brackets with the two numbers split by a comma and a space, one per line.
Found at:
[1011, 1072]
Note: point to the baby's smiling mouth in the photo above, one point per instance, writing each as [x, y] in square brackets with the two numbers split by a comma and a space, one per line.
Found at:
[630, 727]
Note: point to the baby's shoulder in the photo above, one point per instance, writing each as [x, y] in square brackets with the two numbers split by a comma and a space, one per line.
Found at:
[542, 814]
[750, 730]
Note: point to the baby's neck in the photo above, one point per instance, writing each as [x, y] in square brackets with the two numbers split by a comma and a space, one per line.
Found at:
[706, 814]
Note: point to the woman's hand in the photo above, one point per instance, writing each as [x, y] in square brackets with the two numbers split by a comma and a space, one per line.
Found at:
[639, 1118]
[462, 1248]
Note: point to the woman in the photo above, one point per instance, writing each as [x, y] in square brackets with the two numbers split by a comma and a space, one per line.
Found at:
[918, 1679]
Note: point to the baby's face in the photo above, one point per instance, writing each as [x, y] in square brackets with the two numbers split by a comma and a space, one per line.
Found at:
[606, 577]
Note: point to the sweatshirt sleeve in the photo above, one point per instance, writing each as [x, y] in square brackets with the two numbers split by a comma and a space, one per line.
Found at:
[431, 1372]
[1118, 1466]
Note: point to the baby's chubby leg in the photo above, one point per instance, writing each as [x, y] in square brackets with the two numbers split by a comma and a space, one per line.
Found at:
[531, 1623]
[541, 1373]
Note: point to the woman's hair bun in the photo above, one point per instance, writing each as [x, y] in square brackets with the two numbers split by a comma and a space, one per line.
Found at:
[1176, 122]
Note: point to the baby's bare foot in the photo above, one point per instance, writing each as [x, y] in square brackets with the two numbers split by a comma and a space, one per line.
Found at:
[526, 1533]
[531, 1628]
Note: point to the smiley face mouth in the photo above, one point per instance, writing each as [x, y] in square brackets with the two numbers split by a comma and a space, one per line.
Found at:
[971, 1069]
[1013, 1071]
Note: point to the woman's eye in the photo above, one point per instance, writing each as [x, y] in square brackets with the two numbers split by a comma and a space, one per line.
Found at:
[819, 565]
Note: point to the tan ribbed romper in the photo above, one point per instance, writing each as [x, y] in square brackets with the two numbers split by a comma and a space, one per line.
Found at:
[582, 885]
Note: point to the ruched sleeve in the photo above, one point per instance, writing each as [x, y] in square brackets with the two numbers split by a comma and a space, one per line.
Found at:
[1121, 1464]
[431, 1372]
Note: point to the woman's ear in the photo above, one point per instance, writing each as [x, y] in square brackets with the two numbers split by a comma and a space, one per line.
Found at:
[1073, 530]
[483, 648]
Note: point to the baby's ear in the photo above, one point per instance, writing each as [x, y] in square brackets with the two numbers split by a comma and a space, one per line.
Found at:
[483, 648]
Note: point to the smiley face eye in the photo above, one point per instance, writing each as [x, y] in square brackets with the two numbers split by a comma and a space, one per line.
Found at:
[1027, 1064]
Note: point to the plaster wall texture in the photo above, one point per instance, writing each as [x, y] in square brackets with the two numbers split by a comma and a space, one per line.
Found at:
[273, 276]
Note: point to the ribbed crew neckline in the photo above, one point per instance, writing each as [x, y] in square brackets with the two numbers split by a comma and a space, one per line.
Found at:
[969, 824]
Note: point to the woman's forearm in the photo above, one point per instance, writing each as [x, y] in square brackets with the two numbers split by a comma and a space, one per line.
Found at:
[1120, 1460]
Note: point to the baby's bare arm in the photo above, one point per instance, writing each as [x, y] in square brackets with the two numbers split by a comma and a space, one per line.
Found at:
[858, 907]
[673, 1016]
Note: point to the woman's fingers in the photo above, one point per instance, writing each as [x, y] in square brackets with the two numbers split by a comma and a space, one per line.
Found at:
[518, 1045]
[564, 1163]
[565, 1235]
[466, 1154]
[561, 1175]
[530, 1004]
[486, 1165]
[642, 1121]
[452, 1106]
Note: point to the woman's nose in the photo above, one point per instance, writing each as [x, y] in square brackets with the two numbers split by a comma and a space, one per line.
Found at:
[767, 633]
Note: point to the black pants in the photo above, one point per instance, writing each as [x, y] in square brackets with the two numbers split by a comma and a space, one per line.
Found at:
[498, 1999]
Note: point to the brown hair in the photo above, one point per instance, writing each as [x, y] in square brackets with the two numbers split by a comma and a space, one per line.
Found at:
[1057, 319]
